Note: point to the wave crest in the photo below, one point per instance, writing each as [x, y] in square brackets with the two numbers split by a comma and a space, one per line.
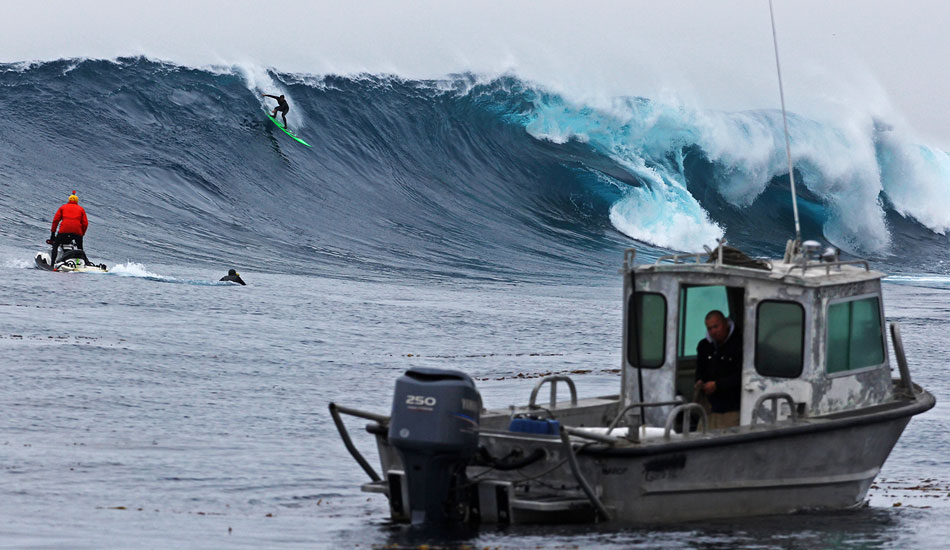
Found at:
[483, 177]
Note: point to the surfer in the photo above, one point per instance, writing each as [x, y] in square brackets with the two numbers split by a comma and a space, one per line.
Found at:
[281, 107]
[233, 276]
[72, 222]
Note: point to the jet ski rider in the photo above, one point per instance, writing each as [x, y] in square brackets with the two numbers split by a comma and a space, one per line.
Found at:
[72, 222]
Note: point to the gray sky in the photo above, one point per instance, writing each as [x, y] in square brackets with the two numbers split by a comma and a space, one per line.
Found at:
[882, 58]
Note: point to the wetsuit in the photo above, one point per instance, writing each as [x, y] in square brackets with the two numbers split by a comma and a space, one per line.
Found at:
[233, 279]
[282, 107]
[72, 222]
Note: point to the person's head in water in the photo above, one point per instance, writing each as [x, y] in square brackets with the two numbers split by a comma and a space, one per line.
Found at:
[717, 326]
[233, 276]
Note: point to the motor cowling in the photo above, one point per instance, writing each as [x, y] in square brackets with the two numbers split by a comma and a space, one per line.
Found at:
[434, 428]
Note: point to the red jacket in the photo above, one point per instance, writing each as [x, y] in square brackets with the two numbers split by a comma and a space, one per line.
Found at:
[73, 217]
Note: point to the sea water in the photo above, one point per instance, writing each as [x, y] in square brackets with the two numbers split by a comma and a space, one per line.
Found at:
[153, 407]
[472, 223]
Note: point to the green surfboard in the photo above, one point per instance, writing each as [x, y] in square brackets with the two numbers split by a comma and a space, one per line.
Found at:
[288, 132]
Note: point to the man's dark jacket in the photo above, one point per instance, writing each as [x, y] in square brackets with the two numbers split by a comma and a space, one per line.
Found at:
[721, 364]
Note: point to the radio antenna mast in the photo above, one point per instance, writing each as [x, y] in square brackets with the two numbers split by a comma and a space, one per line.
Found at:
[788, 143]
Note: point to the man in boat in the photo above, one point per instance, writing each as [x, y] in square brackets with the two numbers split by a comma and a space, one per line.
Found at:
[72, 221]
[233, 276]
[719, 369]
[282, 107]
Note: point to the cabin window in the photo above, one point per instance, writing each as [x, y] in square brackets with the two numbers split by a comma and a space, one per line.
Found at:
[651, 329]
[779, 339]
[855, 335]
[695, 303]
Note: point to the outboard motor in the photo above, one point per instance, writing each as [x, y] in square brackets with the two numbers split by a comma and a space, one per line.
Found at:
[434, 427]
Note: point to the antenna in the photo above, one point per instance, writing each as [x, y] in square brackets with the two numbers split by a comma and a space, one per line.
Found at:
[788, 143]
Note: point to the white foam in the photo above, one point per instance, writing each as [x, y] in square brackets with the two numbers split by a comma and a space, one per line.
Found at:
[260, 81]
[20, 66]
[743, 141]
[838, 163]
[836, 159]
[938, 279]
[662, 212]
[917, 181]
[19, 263]
[134, 269]
[664, 218]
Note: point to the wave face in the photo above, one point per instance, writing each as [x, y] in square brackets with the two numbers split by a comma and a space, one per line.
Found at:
[487, 179]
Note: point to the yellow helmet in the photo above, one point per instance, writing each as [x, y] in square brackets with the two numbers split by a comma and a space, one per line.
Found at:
[73, 198]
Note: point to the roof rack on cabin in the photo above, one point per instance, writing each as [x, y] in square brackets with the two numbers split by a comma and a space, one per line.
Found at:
[722, 255]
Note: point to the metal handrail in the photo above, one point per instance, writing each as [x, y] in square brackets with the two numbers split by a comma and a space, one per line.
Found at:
[671, 418]
[677, 257]
[335, 411]
[774, 397]
[616, 420]
[698, 259]
[554, 379]
[902, 359]
[828, 265]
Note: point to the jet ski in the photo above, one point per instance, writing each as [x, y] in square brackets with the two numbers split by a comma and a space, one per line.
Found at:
[69, 259]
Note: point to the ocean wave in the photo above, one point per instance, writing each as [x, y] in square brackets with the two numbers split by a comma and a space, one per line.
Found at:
[472, 176]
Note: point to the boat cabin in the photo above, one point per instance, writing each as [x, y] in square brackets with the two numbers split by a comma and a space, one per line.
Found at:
[811, 328]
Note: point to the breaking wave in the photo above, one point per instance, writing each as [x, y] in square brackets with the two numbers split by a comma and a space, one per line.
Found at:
[481, 178]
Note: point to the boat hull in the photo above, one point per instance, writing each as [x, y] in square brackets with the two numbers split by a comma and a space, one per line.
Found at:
[812, 464]
[832, 469]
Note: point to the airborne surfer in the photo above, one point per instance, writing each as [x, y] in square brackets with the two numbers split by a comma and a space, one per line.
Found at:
[282, 107]
[72, 222]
